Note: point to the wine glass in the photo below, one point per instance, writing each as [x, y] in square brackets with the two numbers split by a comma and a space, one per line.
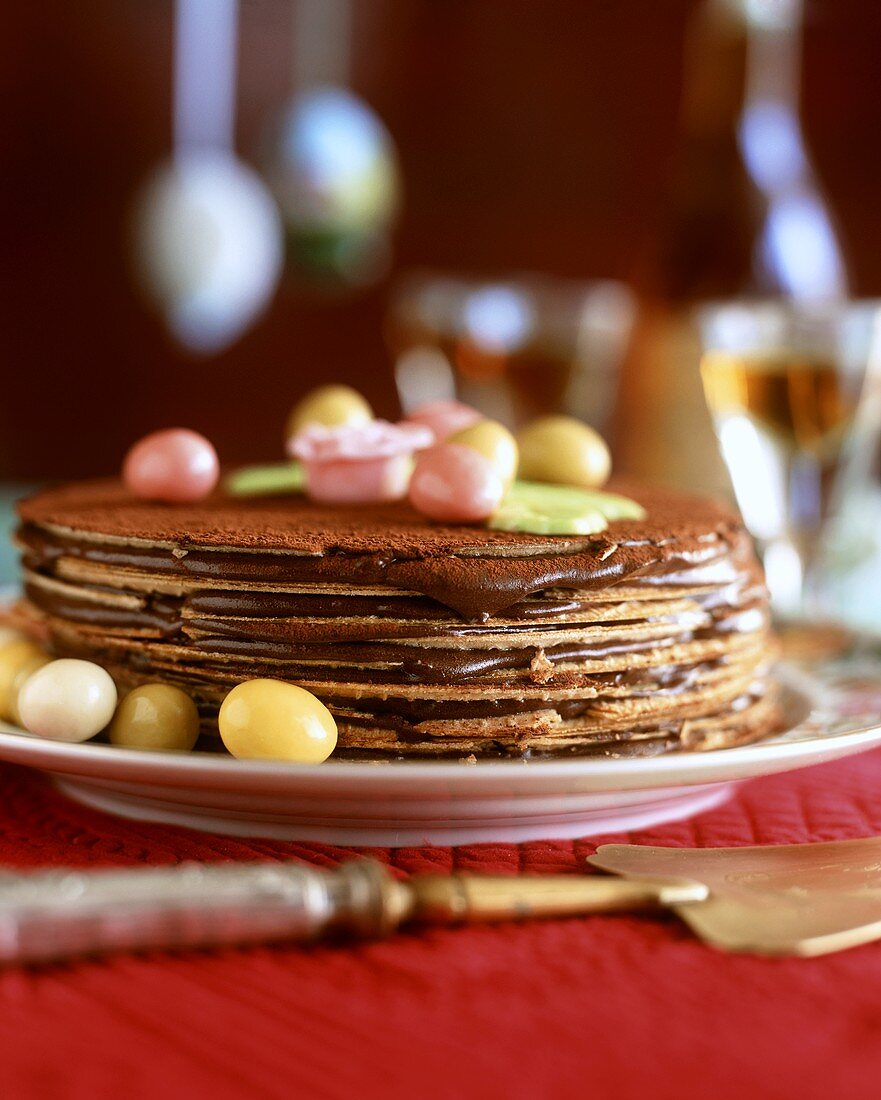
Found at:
[793, 392]
[515, 347]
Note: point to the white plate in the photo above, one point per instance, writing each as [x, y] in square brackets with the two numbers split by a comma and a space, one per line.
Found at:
[834, 705]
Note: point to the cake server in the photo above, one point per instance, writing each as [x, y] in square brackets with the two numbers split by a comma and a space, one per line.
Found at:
[798, 899]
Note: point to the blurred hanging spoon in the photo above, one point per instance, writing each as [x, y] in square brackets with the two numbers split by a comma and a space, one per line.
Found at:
[208, 232]
[329, 159]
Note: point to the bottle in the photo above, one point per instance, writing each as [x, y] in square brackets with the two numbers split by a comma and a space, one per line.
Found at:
[744, 216]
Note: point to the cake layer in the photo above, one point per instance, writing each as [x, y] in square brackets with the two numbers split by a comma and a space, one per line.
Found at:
[650, 636]
[472, 570]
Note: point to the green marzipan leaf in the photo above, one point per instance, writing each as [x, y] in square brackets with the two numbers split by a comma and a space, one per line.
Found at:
[258, 481]
[540, 509]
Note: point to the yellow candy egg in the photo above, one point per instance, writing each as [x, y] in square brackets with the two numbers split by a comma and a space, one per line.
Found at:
[27, 669]
[493, 441]
[332, 406]
[10, 634]
[563, 451]
[156, 716]
[19, 658]
[272, 720]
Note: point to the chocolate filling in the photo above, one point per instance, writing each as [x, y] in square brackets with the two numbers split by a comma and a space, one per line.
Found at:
[474, 586]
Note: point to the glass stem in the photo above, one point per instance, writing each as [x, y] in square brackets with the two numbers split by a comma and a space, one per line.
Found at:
[792, 560]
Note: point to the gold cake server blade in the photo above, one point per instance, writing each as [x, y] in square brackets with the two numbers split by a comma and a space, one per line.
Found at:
[786, 899]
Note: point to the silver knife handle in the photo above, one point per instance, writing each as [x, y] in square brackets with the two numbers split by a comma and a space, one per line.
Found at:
[56, 915]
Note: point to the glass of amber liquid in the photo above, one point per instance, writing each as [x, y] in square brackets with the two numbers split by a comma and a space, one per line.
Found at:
[515, 347]
[794, 395]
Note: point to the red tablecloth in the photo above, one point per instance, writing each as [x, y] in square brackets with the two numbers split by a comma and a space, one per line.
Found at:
[595, 1007]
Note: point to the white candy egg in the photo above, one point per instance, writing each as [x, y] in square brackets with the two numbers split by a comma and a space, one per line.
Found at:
[67, 700]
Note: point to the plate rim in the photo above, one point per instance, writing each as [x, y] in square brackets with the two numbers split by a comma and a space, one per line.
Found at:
[135, 763]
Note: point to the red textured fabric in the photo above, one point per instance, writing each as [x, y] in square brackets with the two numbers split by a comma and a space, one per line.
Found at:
[605, 1006]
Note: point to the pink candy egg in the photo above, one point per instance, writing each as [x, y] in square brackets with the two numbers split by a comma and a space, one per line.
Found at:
[175, 465]
[455, 484]
[444, 417]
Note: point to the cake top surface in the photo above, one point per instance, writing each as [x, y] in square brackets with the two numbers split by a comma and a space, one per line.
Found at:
[472, 569]
[293, 523]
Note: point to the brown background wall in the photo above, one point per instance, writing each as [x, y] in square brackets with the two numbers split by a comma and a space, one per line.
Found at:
[532, 133]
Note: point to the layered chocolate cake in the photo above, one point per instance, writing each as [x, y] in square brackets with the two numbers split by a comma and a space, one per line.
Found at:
[421, 638]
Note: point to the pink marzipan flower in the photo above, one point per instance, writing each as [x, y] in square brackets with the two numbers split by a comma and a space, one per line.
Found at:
[358, 463]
